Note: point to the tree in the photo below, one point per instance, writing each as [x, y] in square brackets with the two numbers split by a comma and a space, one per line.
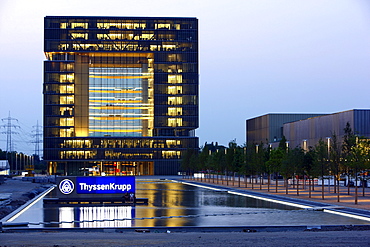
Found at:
[275, 162]
[349, 141]
[230, 159]
[202, 160]
[335, 159]
[239, 161]
[358, 160]
[308, 167]
[220, 159]
[189, 161]
[321, 151]
[293, 165]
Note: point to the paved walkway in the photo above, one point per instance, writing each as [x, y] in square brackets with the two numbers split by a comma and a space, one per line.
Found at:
[182, 239]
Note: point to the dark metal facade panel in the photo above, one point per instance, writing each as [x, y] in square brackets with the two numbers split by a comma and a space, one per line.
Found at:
[323, 127]
[362, 122]
[269, 127]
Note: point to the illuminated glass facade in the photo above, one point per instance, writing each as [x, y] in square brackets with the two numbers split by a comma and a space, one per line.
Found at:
[120, 94]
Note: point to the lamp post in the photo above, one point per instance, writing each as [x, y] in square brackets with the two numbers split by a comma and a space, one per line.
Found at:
[305, 149]
[328, 143]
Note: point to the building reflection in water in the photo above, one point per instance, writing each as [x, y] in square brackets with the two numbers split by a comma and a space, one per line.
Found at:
[94, 215]
[165, 199]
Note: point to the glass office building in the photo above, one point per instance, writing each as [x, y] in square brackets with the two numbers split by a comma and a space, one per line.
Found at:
[120, 94]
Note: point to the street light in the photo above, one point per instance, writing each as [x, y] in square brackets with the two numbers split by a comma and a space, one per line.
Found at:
[328, 140]
[305, 145]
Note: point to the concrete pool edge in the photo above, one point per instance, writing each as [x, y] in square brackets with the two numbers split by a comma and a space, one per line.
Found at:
[203, 229]
[13, 215]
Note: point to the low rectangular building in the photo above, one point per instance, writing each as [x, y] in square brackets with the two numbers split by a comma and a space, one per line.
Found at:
[269, 128]
[307, 132]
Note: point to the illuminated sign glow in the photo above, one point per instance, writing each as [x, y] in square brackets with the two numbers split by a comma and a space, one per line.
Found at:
[110, 186]
[105, 185]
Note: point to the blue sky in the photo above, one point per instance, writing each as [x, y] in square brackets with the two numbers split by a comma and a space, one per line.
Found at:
[256, 57]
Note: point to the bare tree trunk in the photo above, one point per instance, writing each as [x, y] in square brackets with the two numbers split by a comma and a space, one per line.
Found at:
[260, 181]
[349, 180]
[363, 186]
[338, 190]
[356, 190]
[313, 184]
[322, 188]
[298, 186]
[309, 187]
[276, 183]
[286, 185]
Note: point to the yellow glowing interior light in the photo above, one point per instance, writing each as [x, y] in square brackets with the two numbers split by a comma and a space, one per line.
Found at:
[114, 91]
[116, 130]
[120, 76]
[120, 118]
[120, 108]
[117, 101]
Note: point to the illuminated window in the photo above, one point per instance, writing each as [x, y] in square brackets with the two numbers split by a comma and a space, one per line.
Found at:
[168, 47]
[174, 122]
[66, 121]
[174, 90]
[67, 67]
[63, 47]
[171, 154]
[162, 26]
[79, 25]
[173, 143]
[174, 78]
[174, 111]
[67, 78]
[67, 89]
[117, 25]
[174, 100]
[66, 111]
[67, 132]
[64, 100]
[79, 36]
[176, 26]
[63, 25]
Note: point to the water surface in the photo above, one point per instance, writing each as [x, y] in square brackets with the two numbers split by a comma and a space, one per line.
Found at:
[179, 200]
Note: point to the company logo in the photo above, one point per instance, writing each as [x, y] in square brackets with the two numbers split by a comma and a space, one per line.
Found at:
[105, 185]
[66, 186]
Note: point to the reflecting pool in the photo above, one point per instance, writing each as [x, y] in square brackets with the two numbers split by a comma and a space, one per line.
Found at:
[177, 204]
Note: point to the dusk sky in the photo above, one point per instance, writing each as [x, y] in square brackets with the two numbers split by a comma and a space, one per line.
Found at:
[256, 57]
